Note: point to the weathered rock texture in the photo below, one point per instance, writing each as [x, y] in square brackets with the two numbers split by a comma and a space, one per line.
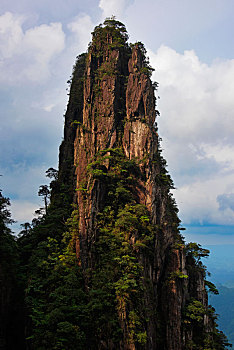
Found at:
[116, 109]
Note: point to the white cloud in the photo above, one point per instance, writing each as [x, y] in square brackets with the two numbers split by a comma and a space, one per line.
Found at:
[23, 211]
[221, 153]
[26, 55]
[11, 34]
[196, 124]
[198, 201]
[49, 107]
[113, 7]
[197, 97]
[82, 26]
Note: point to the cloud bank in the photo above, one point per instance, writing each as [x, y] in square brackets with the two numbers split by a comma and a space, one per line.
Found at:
[197, 127]
[26, 55]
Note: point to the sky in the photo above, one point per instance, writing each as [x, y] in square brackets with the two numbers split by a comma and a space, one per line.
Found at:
[190, 45]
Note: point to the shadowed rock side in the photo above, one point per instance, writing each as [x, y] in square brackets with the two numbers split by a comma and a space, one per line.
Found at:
[119, 113]
[73, 116]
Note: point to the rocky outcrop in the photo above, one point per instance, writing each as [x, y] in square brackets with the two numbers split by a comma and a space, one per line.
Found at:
[118, 113]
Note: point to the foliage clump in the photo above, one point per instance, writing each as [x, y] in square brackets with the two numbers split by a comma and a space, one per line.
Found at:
[11, 289]
[197, 315]
[123, 232]
[112, 31]
[206, 337]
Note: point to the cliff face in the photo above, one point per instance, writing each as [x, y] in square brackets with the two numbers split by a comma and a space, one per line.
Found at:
[123, 192]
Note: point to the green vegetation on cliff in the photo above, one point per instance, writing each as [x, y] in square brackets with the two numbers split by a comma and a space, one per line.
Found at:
[11, 284]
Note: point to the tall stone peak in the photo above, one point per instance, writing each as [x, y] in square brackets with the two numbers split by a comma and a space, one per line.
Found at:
[124, 275]
[123, 191]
